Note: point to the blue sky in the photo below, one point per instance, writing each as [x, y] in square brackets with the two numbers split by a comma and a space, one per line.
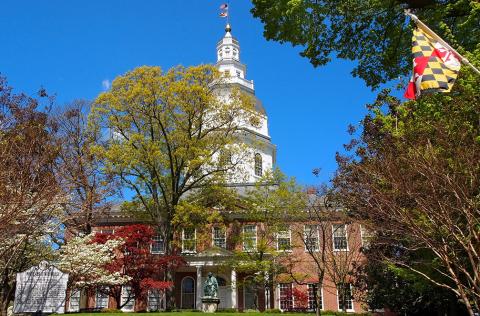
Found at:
[71, 47]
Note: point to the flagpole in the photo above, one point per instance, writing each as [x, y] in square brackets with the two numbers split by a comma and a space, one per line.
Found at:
[228, 12]
[439, 39]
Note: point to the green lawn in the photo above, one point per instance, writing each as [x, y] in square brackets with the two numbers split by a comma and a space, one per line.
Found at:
[326, 313]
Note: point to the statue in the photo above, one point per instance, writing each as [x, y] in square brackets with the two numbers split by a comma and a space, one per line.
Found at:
[210, 287]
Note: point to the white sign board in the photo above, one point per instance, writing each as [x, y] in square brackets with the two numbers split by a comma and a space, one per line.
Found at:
[41, 289]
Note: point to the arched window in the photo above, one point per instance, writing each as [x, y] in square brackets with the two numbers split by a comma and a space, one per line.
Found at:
[188, 293]
[258, 165]
[221, 281]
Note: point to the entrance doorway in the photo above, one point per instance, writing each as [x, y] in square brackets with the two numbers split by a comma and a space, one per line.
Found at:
[188, 293]
[249, 294]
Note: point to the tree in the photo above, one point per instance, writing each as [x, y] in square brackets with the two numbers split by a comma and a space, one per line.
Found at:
[413, 174]
[168, 130]
[86, 262]
[79, 171]
[30, 198]
[134, 263]
[381, 285]
[375, 33]
[333, 245]
[270, 206]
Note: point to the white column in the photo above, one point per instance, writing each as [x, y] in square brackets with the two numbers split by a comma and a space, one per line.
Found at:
[267, 292]
[199, 288]
[233, 283]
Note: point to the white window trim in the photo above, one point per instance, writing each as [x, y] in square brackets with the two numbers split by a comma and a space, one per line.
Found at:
[256, 238]
[96, 299]
[224, 236]
[195, 240]
[161, 299]
[157, 252]
[255, 165]
[321, 293]
[72, 292]
[333, 238]
[290, 238]
[194, 291]
[338, 300]
[362, 236]
[280, 297]
[132, 300]
[305, 238]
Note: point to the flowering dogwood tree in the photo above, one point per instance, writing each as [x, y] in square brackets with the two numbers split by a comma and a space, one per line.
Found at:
[86, 262]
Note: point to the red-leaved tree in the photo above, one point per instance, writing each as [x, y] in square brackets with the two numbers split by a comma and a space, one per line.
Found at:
[146, 270]
[300, 298]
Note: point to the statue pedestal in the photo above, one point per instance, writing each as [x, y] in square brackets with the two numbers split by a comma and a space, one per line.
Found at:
[210, 304]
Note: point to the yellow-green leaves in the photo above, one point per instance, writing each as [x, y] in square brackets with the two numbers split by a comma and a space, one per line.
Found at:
[166, 131]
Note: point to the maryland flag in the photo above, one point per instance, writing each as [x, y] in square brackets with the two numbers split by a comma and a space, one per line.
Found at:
[435, 67]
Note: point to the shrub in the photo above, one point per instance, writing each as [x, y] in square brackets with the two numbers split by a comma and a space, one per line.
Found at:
[227, 310]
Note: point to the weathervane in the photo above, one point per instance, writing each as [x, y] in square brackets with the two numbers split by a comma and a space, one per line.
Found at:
[224, 11]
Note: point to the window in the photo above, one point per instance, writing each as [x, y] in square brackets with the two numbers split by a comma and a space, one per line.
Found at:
[239, 73]
[284, 240]
[155, 300]
[127, 299]
[157, 246]
[366, 236]
[225, 159]
[74, 305]
[340, 237]
[101, 298]
[249, 238]
[219, 237]
[286, 299]
[258, 165]
[188, 240]
[221, 281]
[188, 293]
[312, 297]
[311, 238]
[348, 302]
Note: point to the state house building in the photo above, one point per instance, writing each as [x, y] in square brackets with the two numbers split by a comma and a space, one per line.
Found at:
[203, 258]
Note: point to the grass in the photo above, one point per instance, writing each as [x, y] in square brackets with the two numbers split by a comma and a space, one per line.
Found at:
[181, 313]
[185, 314]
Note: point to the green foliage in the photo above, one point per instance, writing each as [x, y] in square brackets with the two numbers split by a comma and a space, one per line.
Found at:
[375, 33]
[403, 291]
[413, 175]
[271, 204]
[168, 130]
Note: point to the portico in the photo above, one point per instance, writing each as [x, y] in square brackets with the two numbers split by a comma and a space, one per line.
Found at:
[213, 260]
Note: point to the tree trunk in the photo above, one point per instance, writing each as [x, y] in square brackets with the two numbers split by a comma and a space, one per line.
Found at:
[169, 275]
[3, 308]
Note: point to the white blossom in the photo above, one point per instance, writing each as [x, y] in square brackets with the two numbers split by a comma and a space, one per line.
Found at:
[85, 262]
